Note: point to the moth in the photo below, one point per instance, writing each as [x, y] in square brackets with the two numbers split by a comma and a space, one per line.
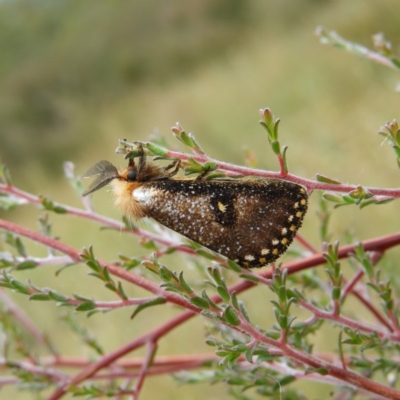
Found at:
[251, 221]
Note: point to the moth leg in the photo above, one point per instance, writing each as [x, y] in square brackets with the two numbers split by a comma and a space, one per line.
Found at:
[203, 174]
[142, 158]
[175, 165]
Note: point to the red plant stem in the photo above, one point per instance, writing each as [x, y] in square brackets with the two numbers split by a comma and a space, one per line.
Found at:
[136, 362]
[349, 286]
[21, 316]
[282, 171]
[382, 243]
[378, 244]
[354, 379]
[74, 255]
[151, 348]
[308, 183]
[305, 243]
[153, 335]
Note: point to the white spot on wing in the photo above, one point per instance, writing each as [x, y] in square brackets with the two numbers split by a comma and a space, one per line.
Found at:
[144, 195]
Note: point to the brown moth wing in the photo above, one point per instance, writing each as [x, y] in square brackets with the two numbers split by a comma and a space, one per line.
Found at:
[250, 221]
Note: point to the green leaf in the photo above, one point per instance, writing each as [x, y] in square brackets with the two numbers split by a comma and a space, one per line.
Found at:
[111, 287]
[223, 292]
[186, 139]
[244, 312]
[234, 300]
[283, 154]
[40, 296]
[200, 302]
[208, 300]
[332, 197]
[336, 293]
[231, 316]
[94, 265]
[122, 292]
[234, 267]
[249, 354]
[284, 381]
[156, 149]
[205, 254]
[214, 271]
[106, 274]
[276, 147]
[251, 278]
[5, 172]
[58, 296]
[325, 179]
[151, 303]
[20, 287]
[87, 306]
[28, 264]
[20, 247]
[185, 286]
[60, 210]
[166, 275]
[81, 298]
[9, 202]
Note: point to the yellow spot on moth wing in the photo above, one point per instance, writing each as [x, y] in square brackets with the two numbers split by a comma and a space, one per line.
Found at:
[221, 206]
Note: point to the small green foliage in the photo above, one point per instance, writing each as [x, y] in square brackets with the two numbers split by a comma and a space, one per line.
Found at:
[231, 316]
[40, 297]
[44, 224]
[267, 382]
[82, 333]
[49, 205]
[360, 196]
[10, 202]
[186, 288]
[234, 266]
[206, 254]
[271, 125]
[156, 149]
[129, 262]
[325, 179]
[187, 139]
[364, 259]
[209, 301]
[147, 304]
[56, 296]
[5, 175]
[334, 272]
[200, 302]
[194, 167]
[324, 216]
[28, 264]
[285, 299]
[391, 132]
[128, 223]
[224, 293]
[382, 46]
[16, 243]
[98, 391]
[73, 180]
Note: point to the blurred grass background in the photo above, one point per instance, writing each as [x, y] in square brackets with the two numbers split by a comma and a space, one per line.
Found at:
[76, 76]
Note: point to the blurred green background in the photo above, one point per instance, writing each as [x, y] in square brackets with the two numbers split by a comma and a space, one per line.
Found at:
[75, 76]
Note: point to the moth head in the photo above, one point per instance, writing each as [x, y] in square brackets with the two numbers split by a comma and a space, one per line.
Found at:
[123, 183]
[105, 172]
